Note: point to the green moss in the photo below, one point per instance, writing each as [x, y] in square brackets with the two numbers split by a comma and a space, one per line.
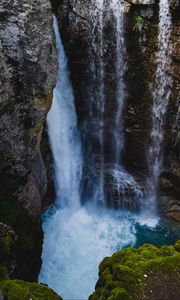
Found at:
[20, 290]
[3, 273]
[120, 293]
[131, 273]
[177, 246]
[6, 245]
[139, 19]
[29, 239]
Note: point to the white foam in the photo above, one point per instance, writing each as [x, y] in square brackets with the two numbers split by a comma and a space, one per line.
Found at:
[74, 245]
[147, 219]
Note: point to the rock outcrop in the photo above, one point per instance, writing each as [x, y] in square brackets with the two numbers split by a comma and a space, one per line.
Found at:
[27, 77]
[144, 273]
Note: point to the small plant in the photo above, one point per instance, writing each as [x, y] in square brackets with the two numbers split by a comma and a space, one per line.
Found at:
[139, 19]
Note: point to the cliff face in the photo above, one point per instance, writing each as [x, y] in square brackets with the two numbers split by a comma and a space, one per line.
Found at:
[141, 29]
[27, 75]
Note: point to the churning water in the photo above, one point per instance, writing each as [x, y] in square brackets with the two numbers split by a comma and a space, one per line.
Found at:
[76, 242]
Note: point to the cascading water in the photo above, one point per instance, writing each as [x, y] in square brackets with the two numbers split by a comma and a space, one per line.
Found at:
[109, 13]
[161, 96]
[100, 97]
[76, 238]
[64, 136]
[118, 138]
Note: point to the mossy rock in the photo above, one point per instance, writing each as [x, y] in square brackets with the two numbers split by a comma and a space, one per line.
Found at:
[3, 272]
[29, 240]
[6, 246]
[148, 272]
[21, 290]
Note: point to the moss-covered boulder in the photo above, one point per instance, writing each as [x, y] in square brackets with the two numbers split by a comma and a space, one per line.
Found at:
[20, 290]
[148, 272]
[22, 259]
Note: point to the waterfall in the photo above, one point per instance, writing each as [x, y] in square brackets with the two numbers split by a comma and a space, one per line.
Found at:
[63, 134]
[100, 96]
[161, 96]
[109, 13]
[78, 234]
[118, 138]
[76, 237]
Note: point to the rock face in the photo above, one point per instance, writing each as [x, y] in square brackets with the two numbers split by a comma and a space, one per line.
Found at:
[27, 76]
[142, 33]
[141, 28]
[144, 273]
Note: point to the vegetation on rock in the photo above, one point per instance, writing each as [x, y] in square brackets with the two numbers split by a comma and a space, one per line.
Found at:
[20, 290]
[148, 272]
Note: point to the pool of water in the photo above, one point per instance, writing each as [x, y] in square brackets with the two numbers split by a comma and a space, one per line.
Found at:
[76, 242]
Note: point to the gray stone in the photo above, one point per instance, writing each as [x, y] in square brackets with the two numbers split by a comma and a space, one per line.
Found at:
[27, 75]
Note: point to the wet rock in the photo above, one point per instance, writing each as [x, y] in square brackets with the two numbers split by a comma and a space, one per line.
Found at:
[141, 29]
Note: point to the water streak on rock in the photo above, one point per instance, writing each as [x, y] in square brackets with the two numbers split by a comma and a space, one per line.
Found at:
[161, 96]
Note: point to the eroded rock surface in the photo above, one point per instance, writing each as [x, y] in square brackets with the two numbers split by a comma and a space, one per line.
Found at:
[27, 76]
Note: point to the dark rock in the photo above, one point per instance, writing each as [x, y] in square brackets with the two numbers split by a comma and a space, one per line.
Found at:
[141, 29]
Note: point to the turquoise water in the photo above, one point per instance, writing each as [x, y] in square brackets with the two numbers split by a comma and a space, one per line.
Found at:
[165, 233]
[76, 241]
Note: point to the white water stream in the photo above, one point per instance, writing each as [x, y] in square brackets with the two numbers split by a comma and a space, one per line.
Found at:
[161, 97]
[118, 141]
